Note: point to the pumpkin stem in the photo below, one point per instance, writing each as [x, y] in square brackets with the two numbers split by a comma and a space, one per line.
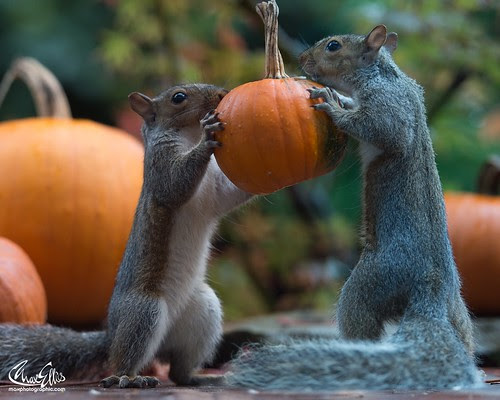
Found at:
[269, 11]
[48, 94]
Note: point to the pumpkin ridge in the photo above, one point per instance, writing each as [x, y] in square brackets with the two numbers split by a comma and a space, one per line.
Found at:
[300, 108]
[259, 143]
[284, 136]
[249, 171]
[302, 128]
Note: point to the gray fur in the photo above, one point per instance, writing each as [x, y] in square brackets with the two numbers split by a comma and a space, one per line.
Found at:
[406, 268]
[160, 305]
[74, 354]
[410, 359]
[203, 321]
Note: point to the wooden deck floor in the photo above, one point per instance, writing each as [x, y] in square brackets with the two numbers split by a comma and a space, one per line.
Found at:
[91, 390]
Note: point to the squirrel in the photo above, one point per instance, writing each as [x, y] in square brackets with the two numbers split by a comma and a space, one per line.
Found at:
[406, 271]
[161, 306]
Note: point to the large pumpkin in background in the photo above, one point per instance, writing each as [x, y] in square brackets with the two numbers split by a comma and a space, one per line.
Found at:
[474, 228]
[68, 191]
[272, 137]
[22, 296]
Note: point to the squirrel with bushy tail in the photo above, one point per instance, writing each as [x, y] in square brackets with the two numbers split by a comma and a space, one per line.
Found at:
[406, 271]
[161, 307]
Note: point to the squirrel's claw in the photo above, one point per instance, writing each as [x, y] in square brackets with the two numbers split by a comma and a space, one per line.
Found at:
[317, 93]
[110, 381]
[326, 107]
[329, 95]
[211, 121]
[213, 144]
[215, 127]
[151, 381]
[210, 134]
[211, 124]
[127, 382]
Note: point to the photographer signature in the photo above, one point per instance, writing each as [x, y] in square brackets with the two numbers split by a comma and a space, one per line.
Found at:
[47, 376]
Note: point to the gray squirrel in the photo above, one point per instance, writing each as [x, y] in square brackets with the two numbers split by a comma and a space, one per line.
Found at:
[406, 271]
[161, 306]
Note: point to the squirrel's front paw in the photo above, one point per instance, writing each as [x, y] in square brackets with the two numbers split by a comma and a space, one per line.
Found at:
[211, 124]
[330, 96]
[128, 382]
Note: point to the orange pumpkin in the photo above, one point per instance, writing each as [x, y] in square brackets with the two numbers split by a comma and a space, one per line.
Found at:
[272, 136]
[474, 228]
[22, 296]
[68, 191]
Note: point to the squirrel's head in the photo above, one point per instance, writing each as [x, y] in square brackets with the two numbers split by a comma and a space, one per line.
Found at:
[333, 59]
[178, 107]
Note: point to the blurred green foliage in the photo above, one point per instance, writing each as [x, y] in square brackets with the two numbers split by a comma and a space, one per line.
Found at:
[64, 36]
[160, 43]
[273, 254]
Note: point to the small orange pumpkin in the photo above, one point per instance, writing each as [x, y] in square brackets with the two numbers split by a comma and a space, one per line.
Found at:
[474, 228]
[22, 296]
[272, 136]
[68, 191]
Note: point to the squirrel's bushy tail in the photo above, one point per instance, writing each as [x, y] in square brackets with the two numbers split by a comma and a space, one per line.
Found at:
[422, 354]
[74, 354]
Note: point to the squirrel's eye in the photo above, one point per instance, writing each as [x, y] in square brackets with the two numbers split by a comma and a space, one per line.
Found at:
[179, 97]
[333, 46]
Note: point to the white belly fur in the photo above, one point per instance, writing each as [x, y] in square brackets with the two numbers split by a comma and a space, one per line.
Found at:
[189, 249]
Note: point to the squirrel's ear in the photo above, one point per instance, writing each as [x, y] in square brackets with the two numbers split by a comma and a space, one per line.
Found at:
[391, 42]
[376, 38]
[142, 105]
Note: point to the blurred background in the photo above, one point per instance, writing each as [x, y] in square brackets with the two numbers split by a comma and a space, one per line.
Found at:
[292, 249]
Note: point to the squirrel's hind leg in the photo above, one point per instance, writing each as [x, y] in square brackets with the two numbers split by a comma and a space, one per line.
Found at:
[363, 307]
[193, 339]
[460, 320]
[136, 340]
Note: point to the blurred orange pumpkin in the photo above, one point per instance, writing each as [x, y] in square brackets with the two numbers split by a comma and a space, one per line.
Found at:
[272, 137]
[474, 228]
[68, 191]
[22, 296]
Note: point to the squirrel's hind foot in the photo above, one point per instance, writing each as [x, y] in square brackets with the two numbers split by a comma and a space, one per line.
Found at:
[126, 381]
